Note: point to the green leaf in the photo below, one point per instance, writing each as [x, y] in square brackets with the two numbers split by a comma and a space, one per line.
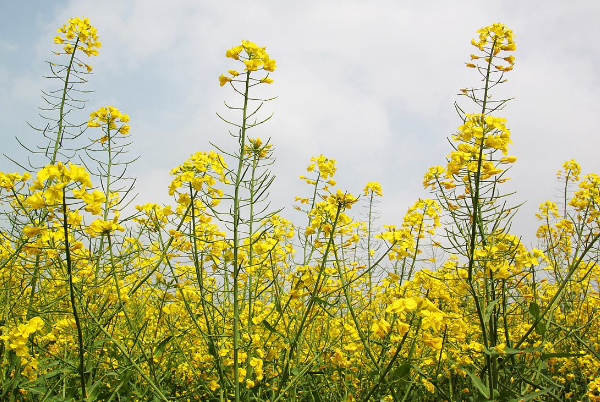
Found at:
[477, 383]
[318, 300]
[489, 309]
[323, 304]
[316, 396]
[160, 348]
[211, 349]
[507, 351]
[540, 328]
[512, 351]
[401, 371]
[531, 396]
[534, 310]
[268, 326]
[561, 354]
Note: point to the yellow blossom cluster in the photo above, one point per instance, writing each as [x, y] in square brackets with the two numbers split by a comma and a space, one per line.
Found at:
[109, 116]
[326, 166]
[18, 338]
[374, 188]
[199, 173]
[254, 58]
[257, 148]
[492, 40]
[101, 226]
[79, 34]
[594, 390]
[342, 199]
[8, 181]
[478, 133]
[414, 226]
[570, 171]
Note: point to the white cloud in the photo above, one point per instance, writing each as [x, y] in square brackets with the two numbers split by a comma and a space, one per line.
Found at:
[371, 84]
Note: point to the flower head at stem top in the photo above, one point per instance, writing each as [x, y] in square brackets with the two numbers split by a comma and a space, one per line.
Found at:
[109, 116]
[257, 148]
[373, 188]
[255, 58]
[78, 33]
[492, 40]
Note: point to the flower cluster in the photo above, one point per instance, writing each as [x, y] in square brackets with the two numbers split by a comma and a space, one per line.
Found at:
[17, 339]
[373, 188]
[492, 40]
[253, 57]
[8, 181]
[109, 116]
[496, 35]
[79, 34]
[478, 133]
[257, 149]
[199, 173]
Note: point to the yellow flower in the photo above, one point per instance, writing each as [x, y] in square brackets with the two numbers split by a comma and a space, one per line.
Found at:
[434, 343]
[510, 59]
[381, 328]
[253, 57]
[508, 159]
[93, 201]
[234, 52]
[374, 188]
[428, 385]
[342, 199]
[109, 116]
[79, 34]
[100, 226]
[401, 305]
[223, 80]
[35, 200]
[253, 64]
[402, 327]
[492, 40]
[270, 65]
[31, 231]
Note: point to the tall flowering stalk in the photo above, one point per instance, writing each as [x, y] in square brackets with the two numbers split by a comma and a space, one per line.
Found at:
[256, 61]
[468, 188]
[76, 36]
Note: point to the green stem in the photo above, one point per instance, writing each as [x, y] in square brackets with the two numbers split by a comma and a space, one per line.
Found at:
[72, 293]
[475, 218]
[62, 105]
[236, 247]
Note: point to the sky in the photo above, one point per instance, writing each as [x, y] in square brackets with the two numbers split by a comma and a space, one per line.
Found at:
[370, 84]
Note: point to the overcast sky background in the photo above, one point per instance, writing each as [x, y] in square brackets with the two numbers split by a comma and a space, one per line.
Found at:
[371, 84]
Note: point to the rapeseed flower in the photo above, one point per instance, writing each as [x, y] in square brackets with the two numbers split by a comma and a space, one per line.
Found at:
[253, 57]
[109, 116]
[78, 33]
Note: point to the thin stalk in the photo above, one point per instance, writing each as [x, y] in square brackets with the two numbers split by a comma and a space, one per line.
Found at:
[236, 246]
[475, 218]
[62, 105]
[72, 293]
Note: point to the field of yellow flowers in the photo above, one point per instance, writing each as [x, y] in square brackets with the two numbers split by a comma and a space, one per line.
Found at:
[217, 297]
